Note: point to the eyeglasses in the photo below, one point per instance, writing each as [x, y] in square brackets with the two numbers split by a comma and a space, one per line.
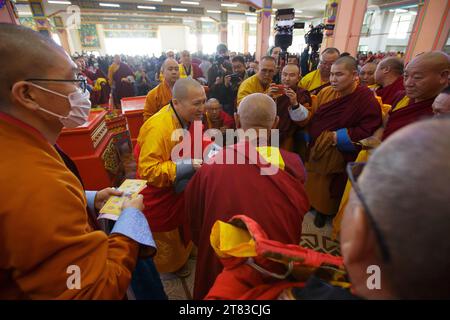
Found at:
[80, 82]
[354, 170]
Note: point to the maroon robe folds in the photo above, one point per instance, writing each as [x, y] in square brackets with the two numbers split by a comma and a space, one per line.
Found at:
[389, 93]
[122, 89]
[286, 126]
[358, 112]
[354, 117]
[219, 191]
[407, 115]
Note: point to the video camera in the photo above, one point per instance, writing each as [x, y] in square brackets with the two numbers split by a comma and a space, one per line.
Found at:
[314, 37]
[284, 28]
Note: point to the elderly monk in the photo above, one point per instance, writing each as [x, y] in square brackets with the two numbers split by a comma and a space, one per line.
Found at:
[343, 114]
[367, 74]
[164, 207]
[389, 79]
[425, 77]
[221, 189]
[398, 220]
[120, 78]
[187, 68]
[291, 103]
[45, 233]
[161, 95]
[441, 105]
[216, 118]
[319, 79]
[258, 83]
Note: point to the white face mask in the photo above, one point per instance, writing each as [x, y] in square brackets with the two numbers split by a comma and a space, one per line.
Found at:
[80, 107]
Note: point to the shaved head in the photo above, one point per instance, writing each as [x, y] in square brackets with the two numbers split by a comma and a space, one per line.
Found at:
[435, 61]
[212, 101]
[394, 64]
[409, 202]
[292, 68]
[427, 75]
[257, 110]
[348, 62]
[38, 57]
[168, 62]
[183, 86]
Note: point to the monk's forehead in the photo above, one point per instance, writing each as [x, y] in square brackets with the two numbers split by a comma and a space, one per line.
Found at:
[429, 63]
[291, 68]
[369, 66]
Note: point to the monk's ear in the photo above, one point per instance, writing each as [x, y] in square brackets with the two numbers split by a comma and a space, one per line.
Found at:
[444, 76]
[356, 235]
[237, 120]
[22, 93]
[276, 122]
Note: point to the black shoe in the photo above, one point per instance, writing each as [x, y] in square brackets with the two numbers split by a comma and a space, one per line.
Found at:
[320, 220]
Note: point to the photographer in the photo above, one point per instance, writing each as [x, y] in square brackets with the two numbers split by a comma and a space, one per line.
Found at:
[217, 69]
[226, 87]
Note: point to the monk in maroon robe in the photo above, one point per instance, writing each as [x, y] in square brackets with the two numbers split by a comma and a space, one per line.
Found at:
[389, 78]
[289, 99]
[121, 79]
[276, 200]
[425, 77]
[342, 115]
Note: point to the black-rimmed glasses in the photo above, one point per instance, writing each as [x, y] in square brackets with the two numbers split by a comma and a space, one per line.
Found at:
[81, 82]
[354, 169]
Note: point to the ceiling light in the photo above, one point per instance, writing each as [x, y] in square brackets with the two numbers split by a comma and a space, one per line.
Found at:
[146, 7]
[179, 9]
[194, 3]
[155, 0]
[231, 5]
[114, 5]
[250, 14]
[213, 11]
[59, 2]
[298, 11]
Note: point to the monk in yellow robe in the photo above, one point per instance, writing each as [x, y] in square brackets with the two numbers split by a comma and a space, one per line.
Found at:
[161, 95]
[319, 79]
[342, 114]
[49, 250]
[164, 206]
[258, 83]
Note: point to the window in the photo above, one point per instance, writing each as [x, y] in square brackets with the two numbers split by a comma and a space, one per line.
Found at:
[400, 26]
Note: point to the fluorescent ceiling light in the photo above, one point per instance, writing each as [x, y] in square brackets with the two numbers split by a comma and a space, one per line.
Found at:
[250, 14]
[206, 19]
[231, 5]
[213, 11]
[298, 11]
[155, 0]
[114, 5]
[109, 18]
[59, 2]
[194, 3]
[179, 9]
[146, 7]
[188, 21]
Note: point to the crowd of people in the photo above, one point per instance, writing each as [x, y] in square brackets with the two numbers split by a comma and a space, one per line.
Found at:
[377, 128]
